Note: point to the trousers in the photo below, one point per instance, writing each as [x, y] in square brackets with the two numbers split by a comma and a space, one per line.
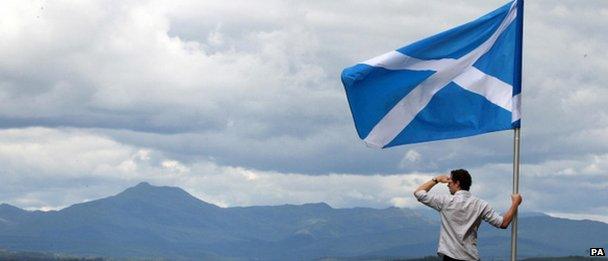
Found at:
[447, 258]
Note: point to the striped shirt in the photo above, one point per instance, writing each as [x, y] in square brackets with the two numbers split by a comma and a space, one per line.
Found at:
[461, 215]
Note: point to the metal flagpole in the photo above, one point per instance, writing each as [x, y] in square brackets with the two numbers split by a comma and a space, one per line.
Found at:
[515, 191]
[518, 81]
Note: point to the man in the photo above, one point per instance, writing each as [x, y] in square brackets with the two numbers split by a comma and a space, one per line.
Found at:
[461, 215]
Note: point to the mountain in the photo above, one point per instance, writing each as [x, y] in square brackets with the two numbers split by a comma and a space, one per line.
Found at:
[167, 222]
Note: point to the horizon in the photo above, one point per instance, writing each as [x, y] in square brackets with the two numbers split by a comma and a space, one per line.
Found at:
[286, 204]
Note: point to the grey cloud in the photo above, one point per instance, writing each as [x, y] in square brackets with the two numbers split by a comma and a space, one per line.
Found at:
[224, 83]
[52, 168]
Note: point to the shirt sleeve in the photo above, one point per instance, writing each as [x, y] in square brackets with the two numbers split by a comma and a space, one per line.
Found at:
[489, 215]
[435, 201]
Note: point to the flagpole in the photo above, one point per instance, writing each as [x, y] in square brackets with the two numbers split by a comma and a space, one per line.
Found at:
[515, 191]
[517, 84]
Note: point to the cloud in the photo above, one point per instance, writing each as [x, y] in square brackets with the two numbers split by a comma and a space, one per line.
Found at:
[53, 168]
[67, 166]
[266, 80]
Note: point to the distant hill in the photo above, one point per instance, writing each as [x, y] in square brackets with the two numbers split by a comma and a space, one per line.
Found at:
[167, 222]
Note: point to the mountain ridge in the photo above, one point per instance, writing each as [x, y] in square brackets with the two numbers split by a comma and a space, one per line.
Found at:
[161, 221]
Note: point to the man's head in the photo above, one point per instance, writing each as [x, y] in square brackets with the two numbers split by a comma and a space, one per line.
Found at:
[460, 179]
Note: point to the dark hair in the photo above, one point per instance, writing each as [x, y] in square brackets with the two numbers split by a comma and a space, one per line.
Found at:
[463, 177]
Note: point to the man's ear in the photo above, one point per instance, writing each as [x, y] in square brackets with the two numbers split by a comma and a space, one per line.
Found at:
[457, 183]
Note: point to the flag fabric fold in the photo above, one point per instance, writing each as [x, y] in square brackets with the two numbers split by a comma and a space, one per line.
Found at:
[461, 82]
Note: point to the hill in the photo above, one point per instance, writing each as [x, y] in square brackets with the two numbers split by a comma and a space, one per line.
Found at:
[151, 221]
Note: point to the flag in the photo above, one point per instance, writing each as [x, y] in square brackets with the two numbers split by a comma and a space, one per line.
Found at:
[461, 82]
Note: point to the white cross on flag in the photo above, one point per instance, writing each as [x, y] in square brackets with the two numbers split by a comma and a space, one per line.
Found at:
[461, 82]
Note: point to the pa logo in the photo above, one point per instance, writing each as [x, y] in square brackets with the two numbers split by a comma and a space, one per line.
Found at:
[597, 251]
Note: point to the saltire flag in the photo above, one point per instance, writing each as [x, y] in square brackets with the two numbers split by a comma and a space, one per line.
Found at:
[461, 82]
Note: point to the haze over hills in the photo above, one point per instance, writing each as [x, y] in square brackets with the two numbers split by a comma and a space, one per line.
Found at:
[151, 221]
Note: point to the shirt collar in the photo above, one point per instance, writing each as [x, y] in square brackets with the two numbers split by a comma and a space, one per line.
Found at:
[463, 192]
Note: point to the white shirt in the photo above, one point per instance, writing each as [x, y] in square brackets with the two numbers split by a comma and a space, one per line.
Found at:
[461, 215]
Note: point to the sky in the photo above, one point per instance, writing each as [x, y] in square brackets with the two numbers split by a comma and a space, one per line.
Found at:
[240, 103]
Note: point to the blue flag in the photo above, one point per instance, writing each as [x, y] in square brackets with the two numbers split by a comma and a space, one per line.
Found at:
[461, 82]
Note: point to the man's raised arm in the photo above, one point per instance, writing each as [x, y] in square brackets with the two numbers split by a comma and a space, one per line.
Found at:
[434, 201]
[426, 186]
[508, 217]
